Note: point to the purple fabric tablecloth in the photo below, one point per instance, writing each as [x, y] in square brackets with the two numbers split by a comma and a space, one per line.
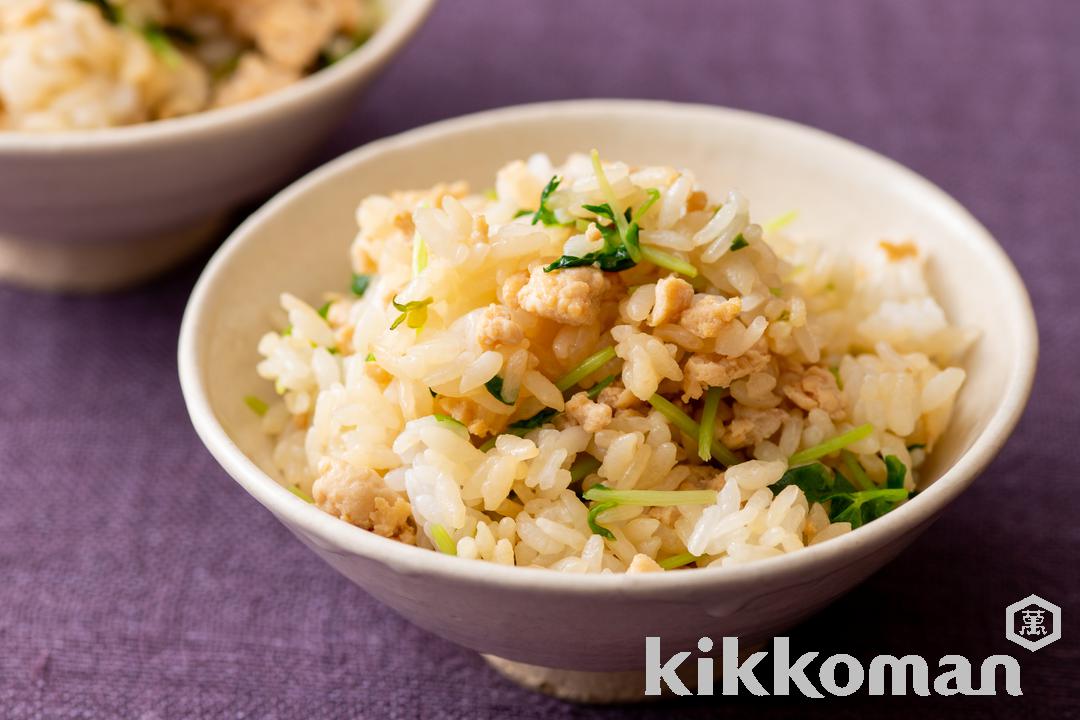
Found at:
[137, 580]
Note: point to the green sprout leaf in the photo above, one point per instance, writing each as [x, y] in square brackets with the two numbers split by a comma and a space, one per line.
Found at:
[413, 313]
[859, 478]
[324, 310]
[846, 504]
[360, 284]
[739, 243]
[781, 222]
[651, 498]
[295, 490]
[443, 541]
[257, 406]
[654, 195]
[583, 467]
[832, 445]
[594, 525]
[684, 422]
[543, 213]
[678, 561]
[110, 12]
[420, 255]
[159, 42]
[586, 368]
[595, 390]
[521, 427]
[707, 430]
[451, 423]
[495, 387]
[895, 472]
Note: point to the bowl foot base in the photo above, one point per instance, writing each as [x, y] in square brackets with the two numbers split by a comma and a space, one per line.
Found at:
[585, 686]
[92, 267]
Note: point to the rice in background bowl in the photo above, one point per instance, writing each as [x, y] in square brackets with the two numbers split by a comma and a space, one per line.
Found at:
[92, 210]
[77, 64]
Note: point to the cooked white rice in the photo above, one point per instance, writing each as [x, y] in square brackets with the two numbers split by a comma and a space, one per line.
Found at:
[391, 417]
[77, 64]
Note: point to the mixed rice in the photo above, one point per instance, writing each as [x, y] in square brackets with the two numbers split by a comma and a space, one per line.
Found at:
[599, 368]
[85, 64]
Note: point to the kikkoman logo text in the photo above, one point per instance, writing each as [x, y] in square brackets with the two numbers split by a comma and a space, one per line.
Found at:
[887, 674]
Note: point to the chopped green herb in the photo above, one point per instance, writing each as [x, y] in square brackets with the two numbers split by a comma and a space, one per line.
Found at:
[522, 213]
[180, 35]
[111, 13]
[287, 331]
[776, 292]
[596, 389]
[360, 284]
[543, 213]
[707, 430]
[835, 371]
[324, 309]
[341, 47]
[419, 255]
[450, 423]
[587, 367]
[620, 220]
[413, 313]
[859, 508]
[846, 504]
[651, 498]
[488, 444]
[583, 467]
[895, 472]
[495, 387]
[257, 406]
[643, 208]
[832, 445]
[608, 261]
[684, 422]
[370, 357]
[859, 478]
[443, 542]
[594, 525]
[781, 222]
[160, 42]
[225, 68]
[295, 490]
[678, 561]
[668, 261]
[739, 243]
[815, 480]
[521, 427]
[622, 249]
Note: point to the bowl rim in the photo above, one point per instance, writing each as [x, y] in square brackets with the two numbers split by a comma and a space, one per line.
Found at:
[415, 560]
[398, 27]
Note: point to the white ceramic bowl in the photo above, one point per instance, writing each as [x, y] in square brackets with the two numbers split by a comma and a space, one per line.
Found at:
[843, 193]
[92, 210]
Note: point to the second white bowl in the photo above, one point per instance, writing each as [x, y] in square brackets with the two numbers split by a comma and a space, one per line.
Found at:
[93, 210]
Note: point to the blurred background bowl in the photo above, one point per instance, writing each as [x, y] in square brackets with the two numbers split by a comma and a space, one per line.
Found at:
[844, 194]
[95, 210]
